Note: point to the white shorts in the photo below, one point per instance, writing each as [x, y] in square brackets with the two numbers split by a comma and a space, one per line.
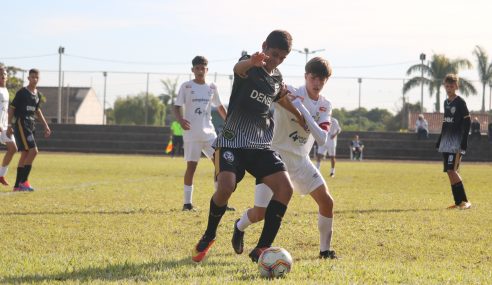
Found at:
[304, 176]
[193, 150]
[5, 139]
[330, 147]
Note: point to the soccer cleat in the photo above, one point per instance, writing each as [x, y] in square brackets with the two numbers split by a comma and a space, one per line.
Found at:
[202, 248]
[465, 205]
[232, 209]
[255, 253]
[188, 207]
[3, 181]
[25, 187]
[452, 207]
[332, 174]
[238, 239]
[17, 189]
[328, 254]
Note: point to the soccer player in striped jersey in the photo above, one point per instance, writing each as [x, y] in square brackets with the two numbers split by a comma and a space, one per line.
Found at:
[244, 143]
[453, 140]
[293, 143]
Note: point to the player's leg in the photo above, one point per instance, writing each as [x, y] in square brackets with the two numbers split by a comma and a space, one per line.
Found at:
[192, 156]
[9, 154]
[325, 220]
[451, 165]
[272, 171]
[331, 154]
[228, 174]
[28, 161]
[263, 195]
[320, 155]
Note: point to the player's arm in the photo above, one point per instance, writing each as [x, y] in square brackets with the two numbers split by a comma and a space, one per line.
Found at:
[222, 112]
[10, 118]
[40, 116]
[285, 102]
[466, 123]
[178, 114]
[320, 133]
[257, 59]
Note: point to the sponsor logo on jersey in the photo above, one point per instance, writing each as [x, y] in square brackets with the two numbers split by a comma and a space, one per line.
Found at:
[228, 134]
[277, 88]
[322, 109]
[260, 97]
[453, 110]
[448, 119]
[228, 156]
[297, 138]
[187, 86]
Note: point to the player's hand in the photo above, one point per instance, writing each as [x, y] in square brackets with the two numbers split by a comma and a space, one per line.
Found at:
[10, 131]
[47, 132]
[463, 152]
[185, 124]
[258, 59]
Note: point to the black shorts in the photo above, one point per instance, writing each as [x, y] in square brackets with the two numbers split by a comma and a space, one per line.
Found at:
[451, 161]
[24, 135]
[258, 162]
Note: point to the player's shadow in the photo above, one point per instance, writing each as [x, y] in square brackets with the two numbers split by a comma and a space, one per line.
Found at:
[78, 212]
[370, 211]
[116, 272]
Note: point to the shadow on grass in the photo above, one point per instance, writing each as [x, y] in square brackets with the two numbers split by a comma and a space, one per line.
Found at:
[369, 211]
[126, 271]
[75, 212]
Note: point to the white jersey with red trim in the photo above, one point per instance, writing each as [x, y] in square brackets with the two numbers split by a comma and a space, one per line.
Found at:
[288, 135]
[197, 100]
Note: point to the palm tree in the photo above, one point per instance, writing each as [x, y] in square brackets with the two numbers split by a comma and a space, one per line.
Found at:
[484, 70]
[435, 72]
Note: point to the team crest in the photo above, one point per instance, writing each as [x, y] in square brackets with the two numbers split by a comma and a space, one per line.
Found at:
[228, 156]
[453, 109]
[322, 109]
[229, 135]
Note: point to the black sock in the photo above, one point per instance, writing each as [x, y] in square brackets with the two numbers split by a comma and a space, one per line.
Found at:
[20, 171]
[460, 192]
[273, 218]
[214, 216]
[27, 170]
[456, 195]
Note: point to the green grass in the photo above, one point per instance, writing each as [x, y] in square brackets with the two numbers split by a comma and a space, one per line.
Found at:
[118, 219]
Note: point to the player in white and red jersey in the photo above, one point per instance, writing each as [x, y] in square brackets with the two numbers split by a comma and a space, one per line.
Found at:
[293, 143]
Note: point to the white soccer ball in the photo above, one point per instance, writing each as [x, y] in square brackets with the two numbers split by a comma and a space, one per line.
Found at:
[274, 262]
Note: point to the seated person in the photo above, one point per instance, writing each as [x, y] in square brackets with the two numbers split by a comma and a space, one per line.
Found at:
[356, 147]
[475, 129]
[422, 127]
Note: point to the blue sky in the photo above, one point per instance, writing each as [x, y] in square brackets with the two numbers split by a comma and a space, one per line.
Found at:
[376, 39]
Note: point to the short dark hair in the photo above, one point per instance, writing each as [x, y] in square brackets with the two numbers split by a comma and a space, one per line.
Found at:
[279, 39]
[451, 78]
[33, 70]
[319, 67]
[199, 60]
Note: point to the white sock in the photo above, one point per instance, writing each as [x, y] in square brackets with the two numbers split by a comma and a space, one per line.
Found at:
[318, 163]
[325, 226]
[3, 170]
[244, 222]
[188, 194]
[333, 170]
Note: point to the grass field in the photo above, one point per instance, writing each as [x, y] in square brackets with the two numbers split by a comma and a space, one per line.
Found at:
[118, 219]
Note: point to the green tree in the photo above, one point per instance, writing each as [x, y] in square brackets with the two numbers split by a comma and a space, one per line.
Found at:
[14, 83]
[434, 74]
[170, 93]
[131, 110]
[484, 70]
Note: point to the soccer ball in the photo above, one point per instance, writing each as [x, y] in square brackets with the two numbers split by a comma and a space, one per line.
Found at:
[274, 262]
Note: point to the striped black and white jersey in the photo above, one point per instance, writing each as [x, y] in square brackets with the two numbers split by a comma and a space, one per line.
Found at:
[453, 127]
[249, 122]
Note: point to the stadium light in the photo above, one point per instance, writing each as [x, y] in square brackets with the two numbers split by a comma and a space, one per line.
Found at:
[422, 58]
[360, 91]
[61, 50]
[105, 74]
[306, 51]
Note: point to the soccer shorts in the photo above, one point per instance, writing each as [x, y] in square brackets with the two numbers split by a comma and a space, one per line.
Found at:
[193, 150]
[304, 176]
[330, 147]
[24, 135]
[451, 161]
[5, 139]
[258, 162]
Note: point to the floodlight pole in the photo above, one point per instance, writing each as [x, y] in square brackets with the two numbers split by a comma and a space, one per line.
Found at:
[147, 100]
[105, 74]
[360, 92]
[307, 52]
[61, 50]
[422, 58]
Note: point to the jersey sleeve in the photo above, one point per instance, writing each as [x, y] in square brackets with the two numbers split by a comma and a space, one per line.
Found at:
[464, 110]
[180, 98]
[16, 101]
[40, 95]
[325, 115]
[215, 96]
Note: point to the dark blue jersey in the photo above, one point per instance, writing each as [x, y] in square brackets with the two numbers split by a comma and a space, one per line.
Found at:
[453, 125]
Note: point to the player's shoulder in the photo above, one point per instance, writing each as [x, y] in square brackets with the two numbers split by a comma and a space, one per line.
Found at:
[212, 86]
[325, 102]
[187, 84]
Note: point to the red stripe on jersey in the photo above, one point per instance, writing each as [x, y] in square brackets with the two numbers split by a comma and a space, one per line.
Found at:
[325, 126]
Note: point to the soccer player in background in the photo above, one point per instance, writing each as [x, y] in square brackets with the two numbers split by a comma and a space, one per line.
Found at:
[196, 97]
[453, 140]
[330, 146]
[244, 144]
[25, 109]
[9, 141]
[293, 143]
